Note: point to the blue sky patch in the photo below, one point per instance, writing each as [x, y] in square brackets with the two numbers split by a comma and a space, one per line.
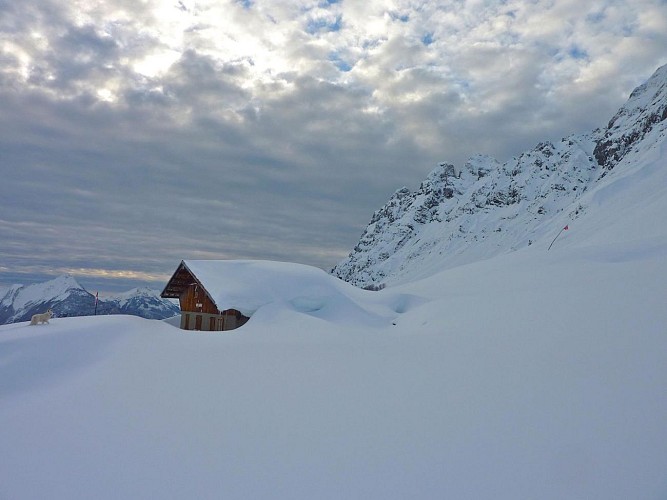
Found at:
[404, 18]
[595, 17]
[317, 25]
[577, 52]
[341, 64]
[428, 39]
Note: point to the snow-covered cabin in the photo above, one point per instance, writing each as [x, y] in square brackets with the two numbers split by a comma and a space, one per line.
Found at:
[219, 295]
[194, 284]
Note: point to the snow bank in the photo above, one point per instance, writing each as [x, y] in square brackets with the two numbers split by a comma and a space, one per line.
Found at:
[248, 285]
[534, 375]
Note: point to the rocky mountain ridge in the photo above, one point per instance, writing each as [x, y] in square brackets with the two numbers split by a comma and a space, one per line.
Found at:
[461, 215]
[68, 298]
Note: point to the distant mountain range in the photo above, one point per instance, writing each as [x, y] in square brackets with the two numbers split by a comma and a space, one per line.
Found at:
[462, 215]
[67, 298]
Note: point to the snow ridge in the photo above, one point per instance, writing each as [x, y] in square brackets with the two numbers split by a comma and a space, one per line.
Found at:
[458, 216]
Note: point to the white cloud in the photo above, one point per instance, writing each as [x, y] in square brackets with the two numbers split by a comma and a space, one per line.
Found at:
[274, 129]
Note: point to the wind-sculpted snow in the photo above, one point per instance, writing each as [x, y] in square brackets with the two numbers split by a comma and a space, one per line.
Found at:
[250, 285]
[462, 215]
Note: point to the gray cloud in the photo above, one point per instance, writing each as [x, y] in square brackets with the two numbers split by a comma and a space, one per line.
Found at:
[135, 135]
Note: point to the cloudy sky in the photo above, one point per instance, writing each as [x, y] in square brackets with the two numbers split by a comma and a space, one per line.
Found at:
[136, 133]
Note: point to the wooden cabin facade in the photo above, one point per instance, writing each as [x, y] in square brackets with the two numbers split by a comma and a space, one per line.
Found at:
[198, 310]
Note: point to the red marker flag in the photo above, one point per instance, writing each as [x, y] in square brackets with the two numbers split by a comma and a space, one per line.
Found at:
[96, 297]
[566, 227]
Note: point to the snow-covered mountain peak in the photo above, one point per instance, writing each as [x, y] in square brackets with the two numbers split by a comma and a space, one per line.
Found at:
[135, 292]
[437, 176]
[57, 289]
[144, 301]
[68, 298]
[480, 165]
[645, 94]
[459, 216]
[644, 113]
[64, 283]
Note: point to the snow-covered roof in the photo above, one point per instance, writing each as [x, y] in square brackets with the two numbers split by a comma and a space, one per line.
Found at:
[246, 285]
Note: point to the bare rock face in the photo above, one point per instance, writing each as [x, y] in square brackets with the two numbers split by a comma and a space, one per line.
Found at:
[486, 208]
[645, 111]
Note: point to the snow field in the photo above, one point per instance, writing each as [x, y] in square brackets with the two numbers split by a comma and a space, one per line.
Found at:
[533, 375]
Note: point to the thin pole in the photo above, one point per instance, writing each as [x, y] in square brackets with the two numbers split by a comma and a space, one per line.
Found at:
[566, 227]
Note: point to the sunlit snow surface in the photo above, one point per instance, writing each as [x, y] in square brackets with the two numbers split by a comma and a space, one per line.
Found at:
[535, 375]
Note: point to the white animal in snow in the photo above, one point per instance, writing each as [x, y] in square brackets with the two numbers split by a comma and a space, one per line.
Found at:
[41, 318]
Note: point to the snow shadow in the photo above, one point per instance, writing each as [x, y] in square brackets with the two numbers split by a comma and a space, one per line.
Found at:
[33, 361]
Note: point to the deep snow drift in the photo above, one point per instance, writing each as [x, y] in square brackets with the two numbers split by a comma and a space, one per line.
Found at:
[248, 285]
[532, 375]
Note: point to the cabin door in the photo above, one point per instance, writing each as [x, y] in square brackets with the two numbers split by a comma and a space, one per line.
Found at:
[198, 322]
